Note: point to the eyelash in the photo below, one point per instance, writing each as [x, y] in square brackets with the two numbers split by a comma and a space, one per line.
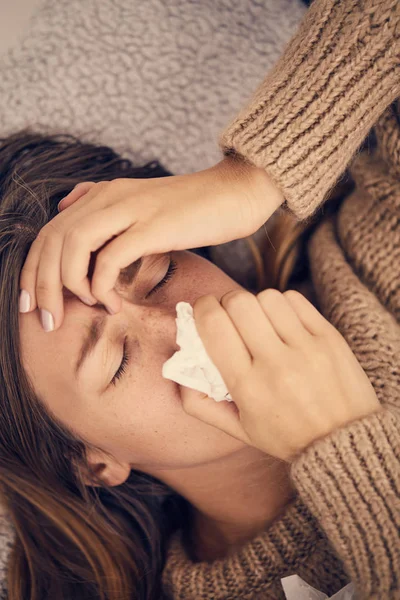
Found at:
[171, 270]
[126, 355]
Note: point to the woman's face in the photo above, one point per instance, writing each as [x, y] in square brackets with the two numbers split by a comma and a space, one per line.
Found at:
[140, 419]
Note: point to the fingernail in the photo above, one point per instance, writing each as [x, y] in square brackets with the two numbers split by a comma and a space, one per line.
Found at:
[86, 301]
[58, 205]
[47, 320]
[110, 310]
[24, 301]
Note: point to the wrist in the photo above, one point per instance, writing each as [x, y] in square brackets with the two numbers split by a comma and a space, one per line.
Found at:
[265, 194]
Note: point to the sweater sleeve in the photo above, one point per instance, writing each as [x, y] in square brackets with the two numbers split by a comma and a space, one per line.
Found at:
[353, 489]
[314, 109]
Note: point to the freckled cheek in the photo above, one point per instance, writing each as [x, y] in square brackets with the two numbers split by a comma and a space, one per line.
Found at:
[149, 408]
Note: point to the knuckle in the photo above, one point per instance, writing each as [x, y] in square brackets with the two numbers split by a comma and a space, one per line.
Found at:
[292, 294]
[269, 295]
[52, 228]
[119, 184]
[74, 236]
[103, 262]
[203, 301]
[98, 282]
[206, 308]
[42, 288]
[101, 185]
[235, 298]
[41, 236]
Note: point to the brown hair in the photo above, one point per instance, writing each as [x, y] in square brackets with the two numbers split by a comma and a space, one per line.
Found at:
[71, 540]
[284, 255]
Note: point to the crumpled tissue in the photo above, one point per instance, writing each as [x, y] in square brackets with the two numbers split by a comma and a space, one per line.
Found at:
[191, 366]
[296, 588]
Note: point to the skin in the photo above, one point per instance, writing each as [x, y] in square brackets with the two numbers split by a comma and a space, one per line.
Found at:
[235, 489]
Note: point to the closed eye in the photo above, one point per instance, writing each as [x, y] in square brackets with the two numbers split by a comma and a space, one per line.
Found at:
[171, 270]
[124, 363]
[173, 267]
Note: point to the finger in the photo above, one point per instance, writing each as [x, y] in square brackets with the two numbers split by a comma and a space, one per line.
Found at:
[122, 252]
[222, 415]
[98, 195]
[218, 332]
[48, 288]
[28, 275]
[253, 325]
[283, 317]
[92, 232]
[55, 227]
[78, 191]
[308, 314]
[49, 285]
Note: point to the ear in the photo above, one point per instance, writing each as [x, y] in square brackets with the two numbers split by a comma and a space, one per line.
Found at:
[109, 469]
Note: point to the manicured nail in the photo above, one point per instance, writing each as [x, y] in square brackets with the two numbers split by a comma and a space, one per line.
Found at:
[86, 301]
[24, 301]
[47, 320]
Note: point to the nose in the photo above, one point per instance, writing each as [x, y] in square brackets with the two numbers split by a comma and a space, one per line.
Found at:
[152, 321]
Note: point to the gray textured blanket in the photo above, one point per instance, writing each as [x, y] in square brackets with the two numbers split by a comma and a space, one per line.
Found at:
[151, 78]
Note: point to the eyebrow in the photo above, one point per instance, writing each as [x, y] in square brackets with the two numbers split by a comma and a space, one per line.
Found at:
[98, 323]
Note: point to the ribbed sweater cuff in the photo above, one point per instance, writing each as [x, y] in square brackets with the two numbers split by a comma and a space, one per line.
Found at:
[315, 108]
[350, 481]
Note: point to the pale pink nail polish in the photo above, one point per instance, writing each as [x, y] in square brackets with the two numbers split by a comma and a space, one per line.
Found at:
[47, 320]
[24, 301]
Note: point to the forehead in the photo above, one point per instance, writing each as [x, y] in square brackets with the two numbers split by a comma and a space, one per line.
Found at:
[49, 357]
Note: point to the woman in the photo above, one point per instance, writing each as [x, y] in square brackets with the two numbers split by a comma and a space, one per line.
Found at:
[85, 469]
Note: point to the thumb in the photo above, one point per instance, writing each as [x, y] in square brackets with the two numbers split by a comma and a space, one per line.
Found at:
[223, 415]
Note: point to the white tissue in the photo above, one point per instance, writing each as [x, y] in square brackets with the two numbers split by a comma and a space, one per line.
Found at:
[191, 366]
[296, 588]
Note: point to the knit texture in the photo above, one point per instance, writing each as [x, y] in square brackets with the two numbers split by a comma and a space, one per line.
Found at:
[339, 77]
[313, 110]
[344, 524]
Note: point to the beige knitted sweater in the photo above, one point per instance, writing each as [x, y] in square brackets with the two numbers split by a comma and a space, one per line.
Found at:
[338, 78]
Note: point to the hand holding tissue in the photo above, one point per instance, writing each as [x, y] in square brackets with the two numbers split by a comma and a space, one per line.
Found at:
[191, 366]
